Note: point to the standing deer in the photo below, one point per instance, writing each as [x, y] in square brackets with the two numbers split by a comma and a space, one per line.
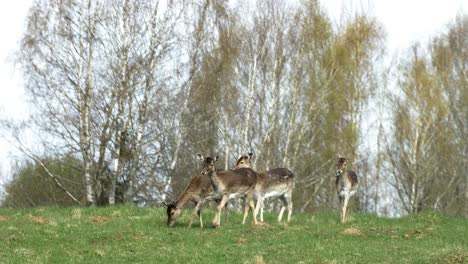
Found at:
[198, 191]
[231, 184]
[274, 183]
[346, 186]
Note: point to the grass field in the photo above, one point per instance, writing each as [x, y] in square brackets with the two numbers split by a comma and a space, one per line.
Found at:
[129, 234]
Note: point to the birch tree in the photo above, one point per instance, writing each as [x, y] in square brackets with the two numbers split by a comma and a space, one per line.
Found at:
[86, 96]
[419, 124]
[449, 56]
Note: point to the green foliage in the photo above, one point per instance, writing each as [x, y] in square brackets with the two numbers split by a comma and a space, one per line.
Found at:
[339, 79]
[134, 235]
[429, 136]
[156, 86]
[32, 186]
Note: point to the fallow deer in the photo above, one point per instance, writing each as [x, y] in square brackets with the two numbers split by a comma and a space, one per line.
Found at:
[197, 191]
[346, 186]
[231, 184]
[275, 183]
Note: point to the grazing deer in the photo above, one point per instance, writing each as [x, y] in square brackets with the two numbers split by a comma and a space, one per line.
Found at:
[346, 185]
[198, 191]
[231, 184]
[274, 183]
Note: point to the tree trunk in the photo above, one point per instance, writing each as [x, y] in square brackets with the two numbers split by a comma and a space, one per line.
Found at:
[84, 105]
[122, 94]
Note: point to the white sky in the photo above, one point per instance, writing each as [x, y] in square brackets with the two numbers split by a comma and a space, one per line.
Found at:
[12, 102]
[405, 21]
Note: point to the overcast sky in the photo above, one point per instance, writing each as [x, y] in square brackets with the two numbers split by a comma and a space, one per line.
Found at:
[405, 21]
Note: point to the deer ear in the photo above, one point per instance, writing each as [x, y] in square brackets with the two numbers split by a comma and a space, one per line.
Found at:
[338, 155]
[250, 155]
[200, 157]
[215, 158]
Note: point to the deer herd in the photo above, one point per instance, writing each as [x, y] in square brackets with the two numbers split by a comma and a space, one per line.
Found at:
[252, 187]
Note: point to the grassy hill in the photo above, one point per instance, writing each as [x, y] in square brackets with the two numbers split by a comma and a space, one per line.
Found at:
[133, 235]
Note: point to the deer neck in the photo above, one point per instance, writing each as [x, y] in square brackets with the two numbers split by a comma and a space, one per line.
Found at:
[183, 199]
[343, 178]
[215, 180]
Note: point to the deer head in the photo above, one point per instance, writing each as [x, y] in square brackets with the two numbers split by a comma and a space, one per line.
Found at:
[341, 165]
[208, 164]
[172, 213]
[245, 161]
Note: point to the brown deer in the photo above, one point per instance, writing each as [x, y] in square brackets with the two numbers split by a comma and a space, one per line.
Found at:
[231, 184]
[346, 186]
[275, 183]
[197, 191]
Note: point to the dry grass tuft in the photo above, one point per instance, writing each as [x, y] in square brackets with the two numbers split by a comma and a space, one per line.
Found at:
[383, 230]
[353, 231]
[461, 257]
[259, 260]
[76, 215]
[99, 219]
[256, 260]
[418, 233]
[261, 224]
[116, 213]
[241, 240]
[39, 220]
[3, 218]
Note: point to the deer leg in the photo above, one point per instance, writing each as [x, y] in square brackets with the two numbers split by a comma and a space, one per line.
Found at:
[216, 220]
[259, 207]
[246, 209]
[195, 211]
[284, 203]
[226, 211]
[261, 213]
[200, 217]
[290, 204]
[219, 217]
[252, 206]
[345, 205]
[341, 207]
[218, 201]
[280, 215]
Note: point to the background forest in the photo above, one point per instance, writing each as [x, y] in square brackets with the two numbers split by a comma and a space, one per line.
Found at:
[125, 93]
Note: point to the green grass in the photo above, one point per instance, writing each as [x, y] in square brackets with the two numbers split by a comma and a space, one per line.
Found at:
[129, 234]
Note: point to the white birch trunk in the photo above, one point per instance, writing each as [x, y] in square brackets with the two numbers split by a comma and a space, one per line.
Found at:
[250, 96]
[123, 90]
[226, 140]
[292, 118]
[144, 104]
[187, 86]
[84, 101]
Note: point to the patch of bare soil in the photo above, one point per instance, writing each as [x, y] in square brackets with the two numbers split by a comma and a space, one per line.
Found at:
[353, 231]
[39, 220]
[417, 233]
[454, 259]
[382, 230]
[99, 219]
[3, 218]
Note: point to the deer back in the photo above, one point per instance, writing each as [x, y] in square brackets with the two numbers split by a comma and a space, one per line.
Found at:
[352, 178]
[237, 179]
[279, 179]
